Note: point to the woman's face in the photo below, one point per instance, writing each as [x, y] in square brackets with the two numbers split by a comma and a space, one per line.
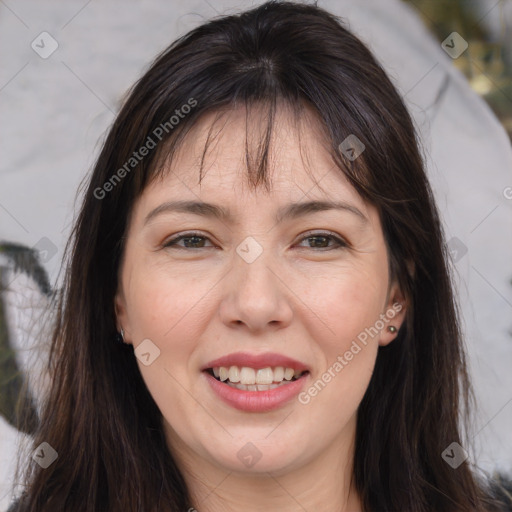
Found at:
[256, 282]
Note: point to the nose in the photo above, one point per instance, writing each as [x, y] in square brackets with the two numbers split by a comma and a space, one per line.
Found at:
[256, 295]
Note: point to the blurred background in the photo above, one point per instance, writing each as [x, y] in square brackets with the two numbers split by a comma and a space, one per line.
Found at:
[487, 63]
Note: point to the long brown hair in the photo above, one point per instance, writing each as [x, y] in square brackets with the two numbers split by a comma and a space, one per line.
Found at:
[99, 415]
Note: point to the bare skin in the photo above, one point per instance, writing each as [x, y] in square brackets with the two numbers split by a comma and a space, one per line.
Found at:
[198, 300]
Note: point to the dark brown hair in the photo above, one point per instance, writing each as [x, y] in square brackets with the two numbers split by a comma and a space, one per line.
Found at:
[99, 415]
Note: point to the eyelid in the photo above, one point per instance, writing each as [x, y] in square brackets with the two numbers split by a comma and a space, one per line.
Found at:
[169, 242]
[340, 241]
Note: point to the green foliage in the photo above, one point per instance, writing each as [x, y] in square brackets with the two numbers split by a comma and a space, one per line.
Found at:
[483, 63]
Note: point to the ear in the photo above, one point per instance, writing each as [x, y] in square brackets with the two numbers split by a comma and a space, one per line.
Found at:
[393, 315]
[121, 315]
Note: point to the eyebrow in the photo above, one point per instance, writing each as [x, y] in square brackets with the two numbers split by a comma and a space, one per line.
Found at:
[290, 211]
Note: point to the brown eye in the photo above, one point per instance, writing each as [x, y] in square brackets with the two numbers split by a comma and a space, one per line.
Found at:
[191, 241]
[321, 241]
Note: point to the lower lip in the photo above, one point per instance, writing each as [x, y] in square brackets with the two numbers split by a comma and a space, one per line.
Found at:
[256, 401]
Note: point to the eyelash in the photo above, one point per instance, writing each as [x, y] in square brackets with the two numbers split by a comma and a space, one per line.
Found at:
[340, 243]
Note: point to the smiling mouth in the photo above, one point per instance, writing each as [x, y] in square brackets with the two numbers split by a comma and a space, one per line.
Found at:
[272, 379]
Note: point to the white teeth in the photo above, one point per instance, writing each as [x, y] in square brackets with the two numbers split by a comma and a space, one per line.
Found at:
[234, 374]
[250, 377]
[247, 375]
[288, 373]
[257, 387]
[223, 373]
[265, 376]
[278, 374]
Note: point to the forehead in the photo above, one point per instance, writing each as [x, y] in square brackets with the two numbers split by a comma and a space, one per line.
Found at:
[227, 145]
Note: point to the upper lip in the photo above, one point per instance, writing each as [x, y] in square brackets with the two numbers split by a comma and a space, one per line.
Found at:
[268, 359]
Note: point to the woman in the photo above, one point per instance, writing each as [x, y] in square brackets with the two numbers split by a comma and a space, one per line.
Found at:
[280, 333]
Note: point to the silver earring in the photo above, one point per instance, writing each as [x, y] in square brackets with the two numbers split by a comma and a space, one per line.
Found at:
[122, 334]
[392, 329]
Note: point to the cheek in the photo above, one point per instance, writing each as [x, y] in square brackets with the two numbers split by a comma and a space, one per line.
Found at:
[169, 307]
[349, 307]
[161, 311]
[348, 303]
[362, 303]
[347, 349]
[164, 304]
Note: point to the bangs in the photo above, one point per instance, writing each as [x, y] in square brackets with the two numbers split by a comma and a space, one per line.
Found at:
[261, 117]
